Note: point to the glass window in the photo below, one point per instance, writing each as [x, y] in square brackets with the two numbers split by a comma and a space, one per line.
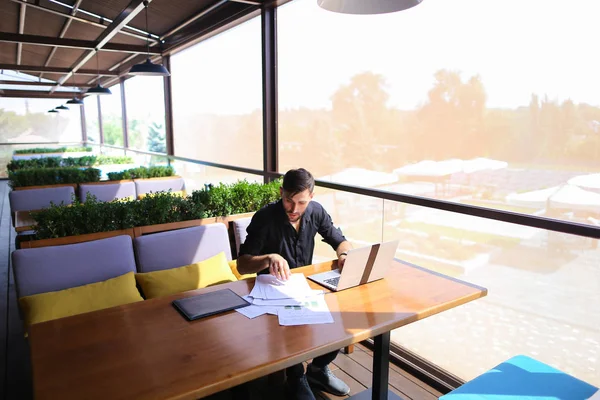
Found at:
[443, 101]
[451, 108]
[217, 98]
[91, 119]
[28, 121]
[112, 117]
[145, 100]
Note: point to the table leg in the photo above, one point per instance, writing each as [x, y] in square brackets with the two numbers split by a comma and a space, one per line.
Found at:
[381, 372]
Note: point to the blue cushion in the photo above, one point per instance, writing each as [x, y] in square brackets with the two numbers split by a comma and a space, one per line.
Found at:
[524, 378]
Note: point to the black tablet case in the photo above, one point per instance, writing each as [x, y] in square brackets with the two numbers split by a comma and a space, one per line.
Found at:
[210, 303]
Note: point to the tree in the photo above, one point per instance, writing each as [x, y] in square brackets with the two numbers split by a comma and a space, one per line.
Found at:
[157, 138]
[361, 121]
[113, 131]
[453, 118]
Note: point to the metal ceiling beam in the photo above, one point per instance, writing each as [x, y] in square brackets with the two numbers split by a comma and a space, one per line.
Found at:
[165, 36]
[21, 30]
[252, 2]
[62, 33]
[118, 23]
[73, 43]
[50, 84]
[37, 94]
[55, 70]
[193, 18]
[82, 20]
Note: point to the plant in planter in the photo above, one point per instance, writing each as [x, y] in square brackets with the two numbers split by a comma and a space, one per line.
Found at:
[93, 216]
[142, 173]
[237, 198]
[52, 176]
[42, 150]
[55, 162]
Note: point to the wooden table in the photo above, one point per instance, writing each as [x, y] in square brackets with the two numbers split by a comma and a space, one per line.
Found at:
[24, 221]
[147, 350]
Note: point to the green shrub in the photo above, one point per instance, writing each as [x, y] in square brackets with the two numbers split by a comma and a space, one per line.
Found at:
[41, 150]
[94, 216]
[55, 162]
[142, 173]
[51, 176]
[106, 160]
[162, 207]
[46, 162]
[237, 198]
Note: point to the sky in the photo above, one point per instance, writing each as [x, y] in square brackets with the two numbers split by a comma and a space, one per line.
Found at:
[518, 47]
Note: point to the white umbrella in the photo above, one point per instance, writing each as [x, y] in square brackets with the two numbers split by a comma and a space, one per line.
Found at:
[482, 163]
[574, 198]
[360, 177]
[431, 168]
[533, 199]
[591, 181]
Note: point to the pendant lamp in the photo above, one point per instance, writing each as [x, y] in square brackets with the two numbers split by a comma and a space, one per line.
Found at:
[62, 107]
[147, 68]
[52, 111]
[75, 101]
[98, 89]
[367, 6]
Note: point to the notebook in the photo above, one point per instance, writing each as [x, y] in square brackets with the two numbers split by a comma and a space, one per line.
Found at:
[206, 304]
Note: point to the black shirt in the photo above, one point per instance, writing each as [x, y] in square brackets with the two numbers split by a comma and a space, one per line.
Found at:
[270, 231]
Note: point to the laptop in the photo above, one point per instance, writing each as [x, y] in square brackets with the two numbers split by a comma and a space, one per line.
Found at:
[363, 265]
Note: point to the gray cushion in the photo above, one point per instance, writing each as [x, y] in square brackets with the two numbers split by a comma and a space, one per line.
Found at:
[239, 231]
[108, 191]
[49, 269]
[144, 186]
[181, 247]
[36, 199]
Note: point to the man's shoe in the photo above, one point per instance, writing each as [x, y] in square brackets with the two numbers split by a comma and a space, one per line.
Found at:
[326, 380]
[298, 389]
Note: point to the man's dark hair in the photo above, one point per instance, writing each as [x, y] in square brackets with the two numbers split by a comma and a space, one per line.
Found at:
[298, 180]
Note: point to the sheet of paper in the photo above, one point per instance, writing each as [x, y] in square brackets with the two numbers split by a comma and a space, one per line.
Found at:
[268, 287]
[312, 311]
[283, 302]
[252, 311]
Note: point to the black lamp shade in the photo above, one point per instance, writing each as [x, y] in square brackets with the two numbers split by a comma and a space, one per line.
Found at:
[75, 101]
[99, 90]
[61, 107]
[147, 68]
[52, 111]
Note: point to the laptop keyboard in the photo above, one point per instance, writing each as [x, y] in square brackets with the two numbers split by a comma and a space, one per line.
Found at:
[333, 281]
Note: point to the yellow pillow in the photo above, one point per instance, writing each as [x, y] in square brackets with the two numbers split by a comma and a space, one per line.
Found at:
[233, 266]
[125, 199]
[180, 193]
[205, 273]
[81, 299]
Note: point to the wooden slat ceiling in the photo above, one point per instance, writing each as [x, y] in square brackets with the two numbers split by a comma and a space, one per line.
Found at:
[46, 18]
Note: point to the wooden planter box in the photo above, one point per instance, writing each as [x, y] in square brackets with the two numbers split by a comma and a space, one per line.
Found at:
[73, 154]
[138, 231]
[88, 237]
[74, 185]
[148, 229]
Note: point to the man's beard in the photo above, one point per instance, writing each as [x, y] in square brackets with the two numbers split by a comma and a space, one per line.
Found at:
[295, 219]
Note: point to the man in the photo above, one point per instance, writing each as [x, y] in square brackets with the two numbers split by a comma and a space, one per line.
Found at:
[281, 236]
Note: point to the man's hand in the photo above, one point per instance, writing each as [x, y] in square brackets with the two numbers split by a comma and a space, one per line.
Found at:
[278, 267]
[341, 261]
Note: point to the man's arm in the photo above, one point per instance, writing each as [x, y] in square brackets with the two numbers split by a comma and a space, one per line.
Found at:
[334, 237]
[276, 264]
[342, 253]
